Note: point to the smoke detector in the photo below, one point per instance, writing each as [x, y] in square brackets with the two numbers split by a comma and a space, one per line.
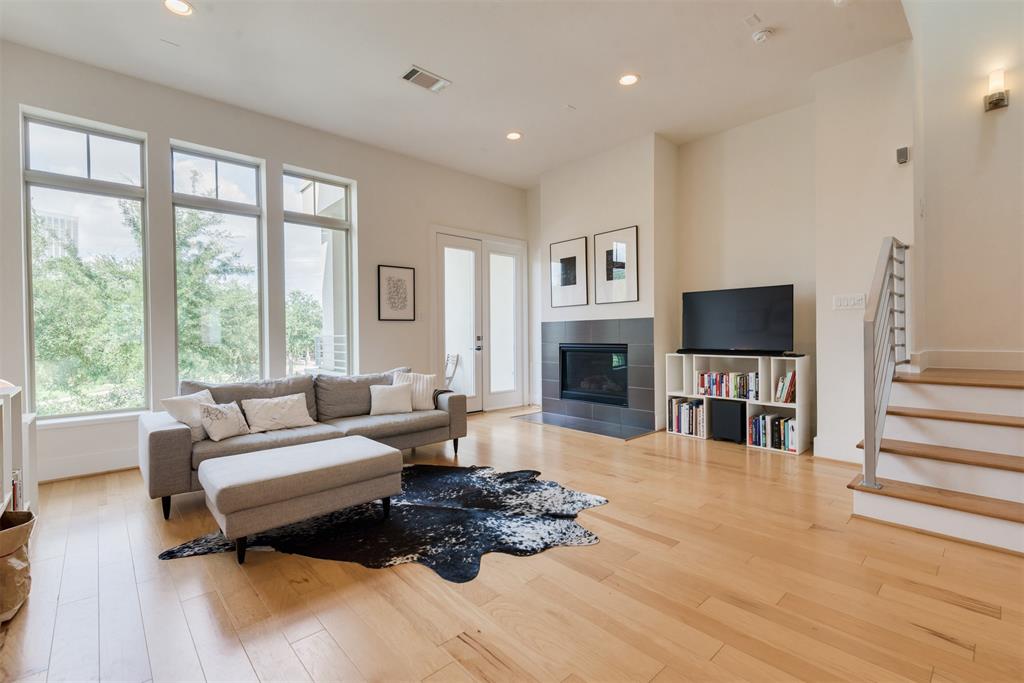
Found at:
[762, 36]
[425, 79]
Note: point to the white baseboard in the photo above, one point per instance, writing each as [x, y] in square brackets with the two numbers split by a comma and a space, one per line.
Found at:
[825, 447]
[972, 359]
[84, 464]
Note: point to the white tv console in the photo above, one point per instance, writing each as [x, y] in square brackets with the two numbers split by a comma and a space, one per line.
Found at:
[681, 370]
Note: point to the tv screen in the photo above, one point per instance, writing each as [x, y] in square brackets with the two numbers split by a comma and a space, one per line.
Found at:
[749, 319]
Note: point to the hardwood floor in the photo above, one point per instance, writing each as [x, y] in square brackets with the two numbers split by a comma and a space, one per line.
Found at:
[715, 563]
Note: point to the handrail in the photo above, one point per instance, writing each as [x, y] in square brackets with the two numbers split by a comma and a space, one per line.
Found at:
[885, 346]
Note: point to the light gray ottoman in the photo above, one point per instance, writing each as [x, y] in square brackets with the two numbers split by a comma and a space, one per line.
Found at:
[253, 492]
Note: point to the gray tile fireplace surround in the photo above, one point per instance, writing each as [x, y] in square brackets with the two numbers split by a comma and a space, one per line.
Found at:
[625, 422]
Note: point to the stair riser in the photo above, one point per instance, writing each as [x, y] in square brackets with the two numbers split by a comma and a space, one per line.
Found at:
[967, 399]
[979, 437]
[999, 533]
[952, 476]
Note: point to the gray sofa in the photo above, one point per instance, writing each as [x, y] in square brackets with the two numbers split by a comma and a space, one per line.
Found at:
[169, 460]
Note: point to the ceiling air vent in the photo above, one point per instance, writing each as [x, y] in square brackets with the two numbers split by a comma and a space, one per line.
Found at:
[425, 79]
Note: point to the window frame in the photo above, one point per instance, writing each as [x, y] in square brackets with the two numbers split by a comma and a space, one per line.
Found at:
[103, 188]
[215, 205]
[326, 223]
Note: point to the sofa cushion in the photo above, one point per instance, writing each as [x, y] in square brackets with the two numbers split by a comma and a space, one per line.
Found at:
[247, 443]
[268, 388]
[284, 474]
[381, 426]
[347, 395]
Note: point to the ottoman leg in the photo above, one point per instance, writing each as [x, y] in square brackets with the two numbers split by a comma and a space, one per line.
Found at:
[386, 504]
[166, 501]
[240, 549]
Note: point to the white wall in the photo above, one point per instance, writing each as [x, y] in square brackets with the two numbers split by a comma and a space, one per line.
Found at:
[971, 186]
[863, 111]
[398, 197]
[746, 211]
[611, 190]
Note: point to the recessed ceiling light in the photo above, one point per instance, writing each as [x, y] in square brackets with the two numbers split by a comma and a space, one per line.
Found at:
[629, 79]
[513, 135]
[179, 7]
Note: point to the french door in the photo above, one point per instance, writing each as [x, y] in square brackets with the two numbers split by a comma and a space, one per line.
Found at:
[482, 321]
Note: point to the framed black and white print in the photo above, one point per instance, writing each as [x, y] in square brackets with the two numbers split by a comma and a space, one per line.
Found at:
[396, 293]
[615, 266]
[569, 273]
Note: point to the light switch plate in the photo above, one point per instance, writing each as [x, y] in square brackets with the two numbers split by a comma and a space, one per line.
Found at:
[848, 302]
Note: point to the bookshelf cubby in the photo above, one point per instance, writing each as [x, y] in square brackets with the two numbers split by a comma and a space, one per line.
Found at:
[682, 372]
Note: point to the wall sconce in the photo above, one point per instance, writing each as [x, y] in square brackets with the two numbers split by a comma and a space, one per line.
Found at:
[998, 96]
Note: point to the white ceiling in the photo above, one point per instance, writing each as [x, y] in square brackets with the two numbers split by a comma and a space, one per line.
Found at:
[337, 66]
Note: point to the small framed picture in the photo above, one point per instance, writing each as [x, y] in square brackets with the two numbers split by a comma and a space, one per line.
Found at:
[396, 293]
[615, 266]
[569, 273]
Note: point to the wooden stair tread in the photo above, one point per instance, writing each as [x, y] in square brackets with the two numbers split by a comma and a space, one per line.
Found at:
[963, 456]
[992, 379]
[952, 500]
[957, 416]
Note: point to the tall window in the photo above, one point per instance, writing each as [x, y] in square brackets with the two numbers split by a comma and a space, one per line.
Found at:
[84, 192]
[317, 267]
[217, 209]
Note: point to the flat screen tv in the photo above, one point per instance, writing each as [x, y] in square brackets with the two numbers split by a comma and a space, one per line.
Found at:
[747, 320]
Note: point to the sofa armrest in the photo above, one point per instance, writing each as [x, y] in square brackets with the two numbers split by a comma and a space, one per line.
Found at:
[165, 454]
[455, 406]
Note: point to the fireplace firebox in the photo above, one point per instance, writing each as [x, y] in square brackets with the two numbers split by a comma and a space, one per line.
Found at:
[598, 373]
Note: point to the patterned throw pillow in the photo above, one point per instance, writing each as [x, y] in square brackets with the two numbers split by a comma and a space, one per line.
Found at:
[284, 412]
[422, 388]
[222, 420]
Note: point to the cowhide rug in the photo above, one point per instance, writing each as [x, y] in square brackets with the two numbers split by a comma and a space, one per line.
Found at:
[446, 519]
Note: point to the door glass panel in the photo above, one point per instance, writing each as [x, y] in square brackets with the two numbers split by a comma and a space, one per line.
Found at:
[460, 316]
[502, 337]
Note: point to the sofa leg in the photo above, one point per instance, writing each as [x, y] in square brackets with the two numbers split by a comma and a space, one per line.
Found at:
[385, 503]
[166, 501]
[455, 445]
[240, 549]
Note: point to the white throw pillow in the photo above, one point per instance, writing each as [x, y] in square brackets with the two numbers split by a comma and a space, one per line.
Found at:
[388, 399]
[422, 388]
[283, 412]
[185, 409]
[222, 420]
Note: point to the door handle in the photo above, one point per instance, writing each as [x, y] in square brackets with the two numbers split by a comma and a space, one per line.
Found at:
[479, 347]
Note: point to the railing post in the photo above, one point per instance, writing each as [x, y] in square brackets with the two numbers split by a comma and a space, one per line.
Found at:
[870, 443]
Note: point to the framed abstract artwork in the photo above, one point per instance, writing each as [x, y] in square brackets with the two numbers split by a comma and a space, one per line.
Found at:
[615, 266]
[396, 293]
[569, 273]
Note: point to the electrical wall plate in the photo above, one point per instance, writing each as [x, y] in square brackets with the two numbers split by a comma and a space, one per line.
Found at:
[902, 155]
[849, 302]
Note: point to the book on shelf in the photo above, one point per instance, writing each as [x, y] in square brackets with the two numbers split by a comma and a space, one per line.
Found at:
[770, 430]
[686, 416]
[785, 388]
[742, 385]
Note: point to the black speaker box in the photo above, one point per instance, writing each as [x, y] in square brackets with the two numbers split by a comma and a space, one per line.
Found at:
[729, 420]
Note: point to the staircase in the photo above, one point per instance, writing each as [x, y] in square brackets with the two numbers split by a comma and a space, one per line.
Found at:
[944, 449]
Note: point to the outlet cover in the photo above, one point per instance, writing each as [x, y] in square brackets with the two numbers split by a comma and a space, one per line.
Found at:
[848, 302]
